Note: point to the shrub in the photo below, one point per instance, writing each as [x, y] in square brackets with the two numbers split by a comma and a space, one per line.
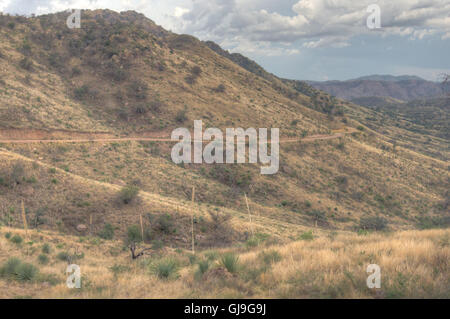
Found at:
[165, 223]
[181, 117]
[46, 248]
[128, 193]
[165, 268]
[307, 236]
[375, 223]
[43, 259]
[220, 89]
[26, 272]
[107, 232]
[230, 261]
[81, 92]
[63, 256]
[26, 64]
[270, 257]
[14, 268]
[16, 239]
[8, 235]
[203, 266]
[196, 71]
[134, 234]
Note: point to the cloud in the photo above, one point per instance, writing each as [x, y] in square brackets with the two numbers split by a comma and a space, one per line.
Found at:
[260, 23]
[315, 23]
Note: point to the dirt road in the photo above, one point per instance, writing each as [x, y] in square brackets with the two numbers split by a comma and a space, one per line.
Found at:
[35, 136]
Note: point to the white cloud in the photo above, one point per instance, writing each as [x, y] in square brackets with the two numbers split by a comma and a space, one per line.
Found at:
[247, 23]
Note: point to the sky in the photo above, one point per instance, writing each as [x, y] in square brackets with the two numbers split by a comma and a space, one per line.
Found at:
[300, 39]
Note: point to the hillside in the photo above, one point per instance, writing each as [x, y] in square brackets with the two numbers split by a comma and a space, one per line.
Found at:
[405, 88]
[85, 121]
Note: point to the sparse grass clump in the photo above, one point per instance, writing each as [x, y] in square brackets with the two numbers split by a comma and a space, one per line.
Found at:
[231, 262]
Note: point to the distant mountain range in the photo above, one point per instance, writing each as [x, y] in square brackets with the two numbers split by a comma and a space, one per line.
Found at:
[405, 87]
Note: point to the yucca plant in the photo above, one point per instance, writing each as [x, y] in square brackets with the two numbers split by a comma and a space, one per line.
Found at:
[231, 262]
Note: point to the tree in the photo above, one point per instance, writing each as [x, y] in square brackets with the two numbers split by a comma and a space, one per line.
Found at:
[133, 238]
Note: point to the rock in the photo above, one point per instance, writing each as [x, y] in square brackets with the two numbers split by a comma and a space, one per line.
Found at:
[81, 228]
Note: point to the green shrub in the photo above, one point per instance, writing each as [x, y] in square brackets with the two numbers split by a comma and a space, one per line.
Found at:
[43, 259]
[46, 248]
[63, 256]
[230, 261]
[128, 193]
[26, 272]
[374, 223]
[8, 235]
[307, 236]
[270, 257]
[26, 64]
[203, 266]
[134, 234]
[16, 239]
[15, 269]
[165, 268]
[165, 223]
[181, 116]
[107, 232]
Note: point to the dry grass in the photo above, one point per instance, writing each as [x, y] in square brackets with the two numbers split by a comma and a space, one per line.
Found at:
[414, 264]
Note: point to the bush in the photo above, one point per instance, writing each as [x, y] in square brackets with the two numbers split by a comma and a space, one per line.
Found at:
[8, 235]
[231, 262]
[220, 89]
[307, 236]
[196, 71]
[26, 272]
[374, 223]
[165, 268]
[26, 64]
[81, 92]
[43, 259]
[15, 269]
[203, 266]
[270, 257]
[46, 248]
[107, 232]
[16, 239]
[128, 193]
[181, 117]
[134, 234]
[165, 223]
[63, 256]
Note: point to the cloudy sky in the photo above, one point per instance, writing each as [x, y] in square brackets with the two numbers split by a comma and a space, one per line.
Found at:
[300, 39]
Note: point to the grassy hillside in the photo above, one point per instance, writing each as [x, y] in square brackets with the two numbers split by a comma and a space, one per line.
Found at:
[321, 265]
[121, 76]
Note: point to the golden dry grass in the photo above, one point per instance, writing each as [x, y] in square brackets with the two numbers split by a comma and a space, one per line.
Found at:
[414, 264]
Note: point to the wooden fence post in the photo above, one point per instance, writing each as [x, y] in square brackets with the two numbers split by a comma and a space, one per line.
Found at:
[192, 220]
[249, 214]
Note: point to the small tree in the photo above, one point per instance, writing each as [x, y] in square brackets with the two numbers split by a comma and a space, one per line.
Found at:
[133, 238]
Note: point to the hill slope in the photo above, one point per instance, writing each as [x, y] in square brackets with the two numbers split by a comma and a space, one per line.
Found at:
[121, 75]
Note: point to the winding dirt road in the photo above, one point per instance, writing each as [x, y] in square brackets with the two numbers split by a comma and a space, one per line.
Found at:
[37, 136]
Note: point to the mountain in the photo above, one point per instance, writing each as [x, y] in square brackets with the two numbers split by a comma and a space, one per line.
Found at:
[86, 117]
[405, 88]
